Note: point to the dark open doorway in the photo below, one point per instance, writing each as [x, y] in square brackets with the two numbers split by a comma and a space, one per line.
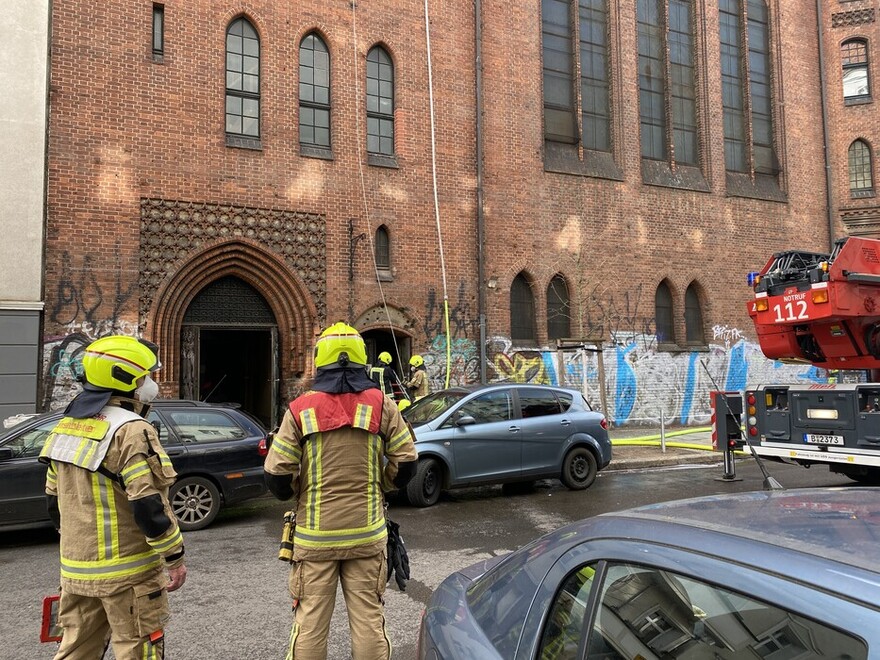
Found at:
[378, 341]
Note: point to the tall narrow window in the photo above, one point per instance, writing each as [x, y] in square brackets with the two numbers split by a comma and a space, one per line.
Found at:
[558, 309]
[380, 102]
[854, 57]
[861, 170]
[746, 90]
[522, 310]
[383, 248]
[561, 93]
[158, 29]
[314, 92]
[693, 316]
[242, 79]
[665, 329]
[667, 84]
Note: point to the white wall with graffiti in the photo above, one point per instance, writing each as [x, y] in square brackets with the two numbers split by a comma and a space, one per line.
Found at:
[642, 383]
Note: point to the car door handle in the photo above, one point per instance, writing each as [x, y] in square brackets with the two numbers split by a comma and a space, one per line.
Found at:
[514, 429]
[565, 422]
[174, 452]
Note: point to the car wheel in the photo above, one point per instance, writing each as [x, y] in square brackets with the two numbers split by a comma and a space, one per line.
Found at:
[424, 488]
[579, 469]
[195, 501]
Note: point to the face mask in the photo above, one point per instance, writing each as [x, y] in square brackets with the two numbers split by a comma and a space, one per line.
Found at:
[147, 392]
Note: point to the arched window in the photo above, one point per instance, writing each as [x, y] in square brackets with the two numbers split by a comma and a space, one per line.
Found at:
[558, 309]
[522, 310]
[561, 61]
[854, 58]
[665, 329]
[666, 79]
[242, 79]
[746, 75]
[314, 92]
[383, 248]
[693, 316]
[861, 170]
[380, 102]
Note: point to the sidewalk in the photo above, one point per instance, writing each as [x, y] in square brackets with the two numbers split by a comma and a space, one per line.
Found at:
[639, 447]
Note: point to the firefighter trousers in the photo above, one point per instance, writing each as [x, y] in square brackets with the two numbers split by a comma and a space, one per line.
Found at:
[313, 587]
[132, 620]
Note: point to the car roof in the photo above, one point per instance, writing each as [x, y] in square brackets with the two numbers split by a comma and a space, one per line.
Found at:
[476, 387]
[837, 524]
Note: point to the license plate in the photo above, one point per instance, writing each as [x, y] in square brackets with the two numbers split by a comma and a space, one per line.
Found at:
[819, 439]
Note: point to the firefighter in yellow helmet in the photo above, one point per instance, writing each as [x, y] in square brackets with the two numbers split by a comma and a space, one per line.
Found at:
[384, 375]
[417, 385]
[340, 446]
[107, 491]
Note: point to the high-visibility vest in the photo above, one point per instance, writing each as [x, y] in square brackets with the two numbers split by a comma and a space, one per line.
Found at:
[378, 375]
[84, 442]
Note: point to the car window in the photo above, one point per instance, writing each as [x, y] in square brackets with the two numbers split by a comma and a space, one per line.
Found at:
[204, 425]
[490, 407]
[31, 442]
[565, 400]
[647, 612]
[429, 408]
[538, 403]
[159, 424]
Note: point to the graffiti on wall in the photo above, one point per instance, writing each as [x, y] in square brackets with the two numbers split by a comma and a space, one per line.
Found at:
[642, 384]
[79, 294]
[461, 319]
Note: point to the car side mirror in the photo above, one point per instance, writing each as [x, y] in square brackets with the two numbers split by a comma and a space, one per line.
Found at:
[465, 420]
[6, 453]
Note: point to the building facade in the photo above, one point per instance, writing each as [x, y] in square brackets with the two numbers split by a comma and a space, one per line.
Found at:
[562, 192]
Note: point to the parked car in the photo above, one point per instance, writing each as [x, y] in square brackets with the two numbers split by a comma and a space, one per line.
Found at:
[770, 574]
[496, 434]
[217, 451]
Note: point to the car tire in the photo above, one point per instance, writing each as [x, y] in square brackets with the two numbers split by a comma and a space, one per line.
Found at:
[424, 488]
[579, 469]
[195, 501]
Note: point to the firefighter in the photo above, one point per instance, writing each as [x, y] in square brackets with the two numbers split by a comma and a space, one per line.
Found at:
[107, 493]
[340, 446]
[384, 375]
[417, 384]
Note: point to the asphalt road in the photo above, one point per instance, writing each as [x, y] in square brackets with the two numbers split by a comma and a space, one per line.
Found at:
[235, 603]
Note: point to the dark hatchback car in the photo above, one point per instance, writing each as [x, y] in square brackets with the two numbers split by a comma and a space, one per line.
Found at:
[217, 451]
[505, 433]
[781, 574]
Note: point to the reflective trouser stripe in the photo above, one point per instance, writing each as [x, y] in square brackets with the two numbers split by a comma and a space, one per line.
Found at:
[105, 517]
[294, 632]
[111, 568]
[151, 651]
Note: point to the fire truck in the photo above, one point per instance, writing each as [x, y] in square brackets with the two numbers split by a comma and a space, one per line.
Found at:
[821, 309]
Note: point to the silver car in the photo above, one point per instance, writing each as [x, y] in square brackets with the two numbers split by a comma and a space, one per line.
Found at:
[506, 433]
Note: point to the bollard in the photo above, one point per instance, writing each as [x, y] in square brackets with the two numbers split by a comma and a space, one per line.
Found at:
[662, 432]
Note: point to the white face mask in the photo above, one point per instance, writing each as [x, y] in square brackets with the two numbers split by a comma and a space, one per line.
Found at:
[147, 392]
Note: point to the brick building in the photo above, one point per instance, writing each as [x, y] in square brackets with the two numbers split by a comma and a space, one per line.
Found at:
[225, 178]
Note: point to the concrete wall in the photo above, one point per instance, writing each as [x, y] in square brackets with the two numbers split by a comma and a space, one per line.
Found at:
[24, 35]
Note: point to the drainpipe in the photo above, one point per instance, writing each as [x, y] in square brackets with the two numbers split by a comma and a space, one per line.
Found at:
[481, 278]
[820, 19]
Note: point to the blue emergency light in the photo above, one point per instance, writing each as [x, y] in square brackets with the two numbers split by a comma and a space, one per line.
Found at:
[752, 278]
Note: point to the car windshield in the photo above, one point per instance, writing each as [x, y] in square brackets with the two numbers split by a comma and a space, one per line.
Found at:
[432, 406]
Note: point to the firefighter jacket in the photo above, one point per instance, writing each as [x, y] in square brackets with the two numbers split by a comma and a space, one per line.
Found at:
[383, 376]
[342, 452]
[418, 383]
[102, 469]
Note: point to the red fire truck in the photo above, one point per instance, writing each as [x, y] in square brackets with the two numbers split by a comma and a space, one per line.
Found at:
[822, 309]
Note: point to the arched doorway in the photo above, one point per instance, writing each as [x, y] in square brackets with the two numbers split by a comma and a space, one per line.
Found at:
[399, 345]
[229, 348]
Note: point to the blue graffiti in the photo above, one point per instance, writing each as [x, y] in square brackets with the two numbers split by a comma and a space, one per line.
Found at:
[815, 375]
[689, 384]
[627, 387]
[550, 366]
[737, 368]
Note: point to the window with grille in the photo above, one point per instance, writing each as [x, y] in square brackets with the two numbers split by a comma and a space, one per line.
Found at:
[383, 248]
[745, 84]
[861, 170]
[380, 102]
[242, 79]
[522, 310]
[558, 309]
[693, 316]
[664, 327]
[314, 92]
[854, 58]
[562, 94]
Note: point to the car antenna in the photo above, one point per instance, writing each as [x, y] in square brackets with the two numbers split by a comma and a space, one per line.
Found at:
[214, 389]
[769, 482]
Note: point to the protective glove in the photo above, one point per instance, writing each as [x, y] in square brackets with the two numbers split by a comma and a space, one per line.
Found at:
[398, 560]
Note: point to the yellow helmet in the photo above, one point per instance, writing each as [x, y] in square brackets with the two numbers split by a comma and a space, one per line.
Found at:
[118, 361]
[385, 357]
[403, 404]
[416, 361]
[340, 345]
